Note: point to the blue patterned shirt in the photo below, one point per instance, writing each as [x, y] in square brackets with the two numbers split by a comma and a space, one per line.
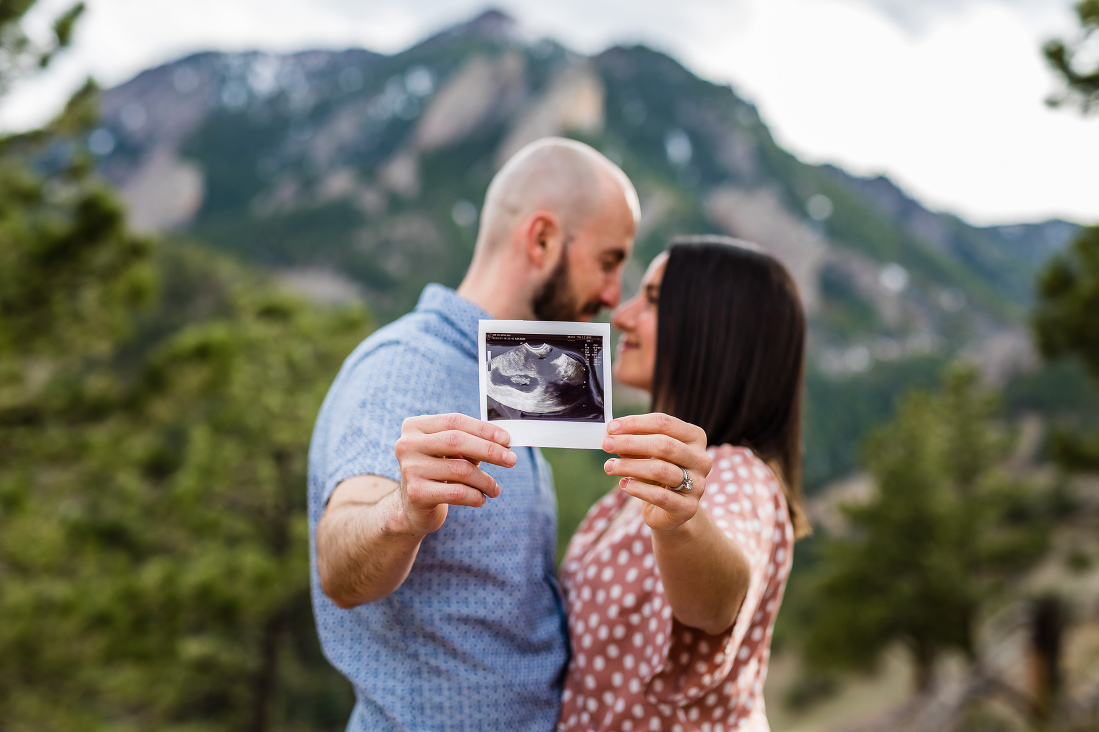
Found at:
[475, 637]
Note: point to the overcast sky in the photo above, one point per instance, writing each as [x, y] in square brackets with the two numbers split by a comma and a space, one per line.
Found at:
[943, 96]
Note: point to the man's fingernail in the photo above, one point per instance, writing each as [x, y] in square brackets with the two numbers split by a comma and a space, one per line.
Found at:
[613, 426]
[501, 437]
[608, 444]
[608, 466]
[513, 458]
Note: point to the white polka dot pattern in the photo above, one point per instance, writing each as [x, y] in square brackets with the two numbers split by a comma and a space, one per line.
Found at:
[636, 667]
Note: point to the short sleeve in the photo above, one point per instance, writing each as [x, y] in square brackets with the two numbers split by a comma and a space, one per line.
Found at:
[689, 664]
[364, 413]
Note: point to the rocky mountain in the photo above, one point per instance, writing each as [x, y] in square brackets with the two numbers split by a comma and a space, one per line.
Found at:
[353, 173]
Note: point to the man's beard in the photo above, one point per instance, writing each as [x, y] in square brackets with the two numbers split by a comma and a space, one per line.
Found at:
[554, 299]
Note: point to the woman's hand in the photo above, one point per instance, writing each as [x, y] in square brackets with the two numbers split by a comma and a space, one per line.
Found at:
[654, 451]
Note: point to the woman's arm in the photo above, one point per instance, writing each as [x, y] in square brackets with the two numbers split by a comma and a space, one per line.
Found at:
[705, 574]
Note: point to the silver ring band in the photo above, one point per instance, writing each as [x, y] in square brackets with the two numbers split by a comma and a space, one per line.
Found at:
[687, 485]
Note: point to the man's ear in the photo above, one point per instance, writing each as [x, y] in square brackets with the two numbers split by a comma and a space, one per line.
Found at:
[543, 238]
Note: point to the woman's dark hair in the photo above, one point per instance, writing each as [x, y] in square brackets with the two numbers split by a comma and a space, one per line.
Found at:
[730, 354]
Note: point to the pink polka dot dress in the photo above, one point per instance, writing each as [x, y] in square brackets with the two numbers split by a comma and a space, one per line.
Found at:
[634, 666]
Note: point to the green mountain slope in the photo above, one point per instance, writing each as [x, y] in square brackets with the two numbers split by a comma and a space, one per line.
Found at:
[355, 174]
[334, 160]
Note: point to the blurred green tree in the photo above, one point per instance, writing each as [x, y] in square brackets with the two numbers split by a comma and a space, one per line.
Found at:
[1081, 86]
[153, 541]
[70, 273]
[19, 54]
[1066, 319]
[155, 412]
[943, 536]
[1066, 324]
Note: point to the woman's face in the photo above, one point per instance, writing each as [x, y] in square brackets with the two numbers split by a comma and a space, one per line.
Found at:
[636, 319]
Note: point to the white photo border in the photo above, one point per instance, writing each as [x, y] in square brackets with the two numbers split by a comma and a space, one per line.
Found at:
[545, 432]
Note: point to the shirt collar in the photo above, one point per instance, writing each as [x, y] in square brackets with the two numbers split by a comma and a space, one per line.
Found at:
[455, 309]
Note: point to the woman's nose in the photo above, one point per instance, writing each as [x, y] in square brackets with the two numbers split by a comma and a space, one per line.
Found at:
[622, 317]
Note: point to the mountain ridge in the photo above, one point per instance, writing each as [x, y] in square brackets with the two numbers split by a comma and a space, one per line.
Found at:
[362, 172]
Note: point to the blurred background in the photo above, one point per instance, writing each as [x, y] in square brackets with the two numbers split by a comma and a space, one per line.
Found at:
[191, 243]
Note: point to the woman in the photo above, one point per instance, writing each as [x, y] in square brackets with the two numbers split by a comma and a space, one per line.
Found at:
[673, 582]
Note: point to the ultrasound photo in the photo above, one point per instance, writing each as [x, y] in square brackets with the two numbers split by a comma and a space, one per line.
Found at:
[546, 383]
[544, 376]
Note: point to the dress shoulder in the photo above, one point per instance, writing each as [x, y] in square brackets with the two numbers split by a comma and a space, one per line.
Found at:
[736, 469]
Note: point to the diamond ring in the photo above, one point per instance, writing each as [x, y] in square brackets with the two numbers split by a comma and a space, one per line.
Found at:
[687, 485]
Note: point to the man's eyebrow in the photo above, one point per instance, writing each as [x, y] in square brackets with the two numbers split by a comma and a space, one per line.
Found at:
[652, 290]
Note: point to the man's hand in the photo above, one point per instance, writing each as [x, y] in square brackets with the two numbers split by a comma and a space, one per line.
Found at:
[440, 457]
[371, 529]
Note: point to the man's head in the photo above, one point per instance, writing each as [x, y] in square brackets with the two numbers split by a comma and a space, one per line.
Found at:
[557, 226]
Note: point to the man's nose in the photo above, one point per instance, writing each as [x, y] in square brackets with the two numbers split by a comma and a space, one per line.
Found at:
[612, 293]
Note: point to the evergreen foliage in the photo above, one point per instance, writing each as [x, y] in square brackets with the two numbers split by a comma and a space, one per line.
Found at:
[155, 412]
[946, 532]
[1081, 86]
[153, 542]
[1065, 321]
[19, 55]
[1066, 324]
[840, 412]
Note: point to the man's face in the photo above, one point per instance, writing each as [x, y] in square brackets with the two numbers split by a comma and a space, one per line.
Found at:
[588, 276]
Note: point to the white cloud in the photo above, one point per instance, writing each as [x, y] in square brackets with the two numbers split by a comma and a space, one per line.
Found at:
[917, 16]
[955, 115]
[944, 96]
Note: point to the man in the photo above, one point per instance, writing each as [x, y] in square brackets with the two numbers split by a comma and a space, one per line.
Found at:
[433, 543]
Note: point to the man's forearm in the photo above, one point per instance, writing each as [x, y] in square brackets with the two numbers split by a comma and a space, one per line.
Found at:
[371, 529]
[362, 556]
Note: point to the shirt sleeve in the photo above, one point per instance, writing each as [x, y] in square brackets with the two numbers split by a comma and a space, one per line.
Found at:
[688, 663]
[367, 408]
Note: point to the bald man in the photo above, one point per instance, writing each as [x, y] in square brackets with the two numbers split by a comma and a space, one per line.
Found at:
[433, 542]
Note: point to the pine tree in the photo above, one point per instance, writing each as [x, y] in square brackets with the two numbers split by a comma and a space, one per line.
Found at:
[1066, 325]
[1081, 86]
[156, 404]
[1066, 319]
[945, 533]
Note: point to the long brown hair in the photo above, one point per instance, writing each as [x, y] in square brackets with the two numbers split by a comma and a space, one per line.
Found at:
[730, 354]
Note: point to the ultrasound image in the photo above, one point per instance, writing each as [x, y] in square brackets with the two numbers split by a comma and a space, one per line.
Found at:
[549, 377]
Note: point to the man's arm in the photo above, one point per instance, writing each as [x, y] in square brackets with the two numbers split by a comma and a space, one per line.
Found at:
[360, 555]
[371, 529]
